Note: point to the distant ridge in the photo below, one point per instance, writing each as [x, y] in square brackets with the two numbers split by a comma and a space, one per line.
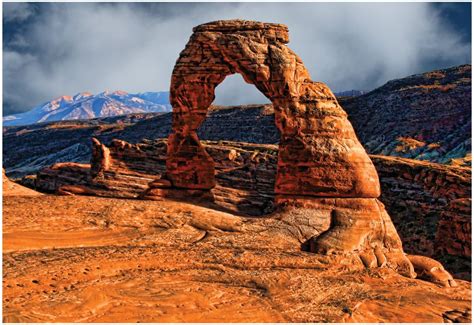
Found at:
[350, 93]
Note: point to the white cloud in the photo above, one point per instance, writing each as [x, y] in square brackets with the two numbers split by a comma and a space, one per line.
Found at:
[94, 47]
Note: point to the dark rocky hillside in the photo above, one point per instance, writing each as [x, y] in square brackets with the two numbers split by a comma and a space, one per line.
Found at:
[27, 149]
[425, 116]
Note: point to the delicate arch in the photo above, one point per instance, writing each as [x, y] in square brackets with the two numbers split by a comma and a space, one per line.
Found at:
[319, 153]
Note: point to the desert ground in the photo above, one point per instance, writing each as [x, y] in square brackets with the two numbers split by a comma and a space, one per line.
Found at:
[90, 259]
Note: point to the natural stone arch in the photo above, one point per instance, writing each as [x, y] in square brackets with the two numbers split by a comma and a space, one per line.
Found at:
[319, 151]
[326, 186]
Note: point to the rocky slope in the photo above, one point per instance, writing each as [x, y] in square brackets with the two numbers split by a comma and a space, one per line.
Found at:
[86, 106]
[27, 149]
[425, 116]
[429, 203]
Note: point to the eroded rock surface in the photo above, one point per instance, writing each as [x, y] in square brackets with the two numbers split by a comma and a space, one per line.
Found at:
[12, 189]
[430, 205]
[319, 154]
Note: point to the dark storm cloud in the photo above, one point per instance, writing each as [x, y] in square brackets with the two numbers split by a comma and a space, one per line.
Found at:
[52, 49]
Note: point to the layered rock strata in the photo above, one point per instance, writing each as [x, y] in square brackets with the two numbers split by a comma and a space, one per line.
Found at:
[430, 205]
[425, 116]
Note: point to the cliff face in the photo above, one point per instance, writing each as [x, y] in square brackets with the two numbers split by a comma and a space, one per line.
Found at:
[425, 116]
[429, 203]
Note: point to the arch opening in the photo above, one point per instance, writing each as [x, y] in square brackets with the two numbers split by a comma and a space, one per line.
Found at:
[234, 91]
[247, 149]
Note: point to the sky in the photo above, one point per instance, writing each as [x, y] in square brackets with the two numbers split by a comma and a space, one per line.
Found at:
[55, 49]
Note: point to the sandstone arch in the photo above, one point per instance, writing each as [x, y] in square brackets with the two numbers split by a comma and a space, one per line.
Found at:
[324, 176]
[319, 152]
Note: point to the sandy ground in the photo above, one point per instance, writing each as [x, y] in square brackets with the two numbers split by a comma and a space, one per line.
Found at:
[87, 259]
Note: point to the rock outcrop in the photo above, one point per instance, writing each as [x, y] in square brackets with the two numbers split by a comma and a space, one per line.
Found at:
[453, 235]
[322, 167]
[431, 206]
[10, 188]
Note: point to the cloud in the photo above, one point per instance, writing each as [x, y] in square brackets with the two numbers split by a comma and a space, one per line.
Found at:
[17, 11]
[70, 48]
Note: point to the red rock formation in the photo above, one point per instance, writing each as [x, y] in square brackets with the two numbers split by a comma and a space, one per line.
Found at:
[431, 206]
[324, 175]
[453, 234]
[319, 152]
[12, 189]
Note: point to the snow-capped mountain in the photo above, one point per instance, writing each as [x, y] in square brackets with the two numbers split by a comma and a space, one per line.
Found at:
[86, 106]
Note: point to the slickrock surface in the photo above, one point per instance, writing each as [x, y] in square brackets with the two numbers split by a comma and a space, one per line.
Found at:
[419, 196]
[111, 260]
[13, 189]
[425, 116]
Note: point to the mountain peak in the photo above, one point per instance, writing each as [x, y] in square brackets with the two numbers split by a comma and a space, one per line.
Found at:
[82, 95]
[64, 98]
[115, 92]
[85, 105]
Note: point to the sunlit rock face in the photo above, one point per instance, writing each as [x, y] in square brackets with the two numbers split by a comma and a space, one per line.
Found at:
[319, 151]
[322, 167]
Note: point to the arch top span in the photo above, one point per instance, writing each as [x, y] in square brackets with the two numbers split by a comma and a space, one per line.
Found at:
[271, 31]
[319, 152]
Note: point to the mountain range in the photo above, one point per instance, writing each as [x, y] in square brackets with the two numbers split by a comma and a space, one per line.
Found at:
[87, 106]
